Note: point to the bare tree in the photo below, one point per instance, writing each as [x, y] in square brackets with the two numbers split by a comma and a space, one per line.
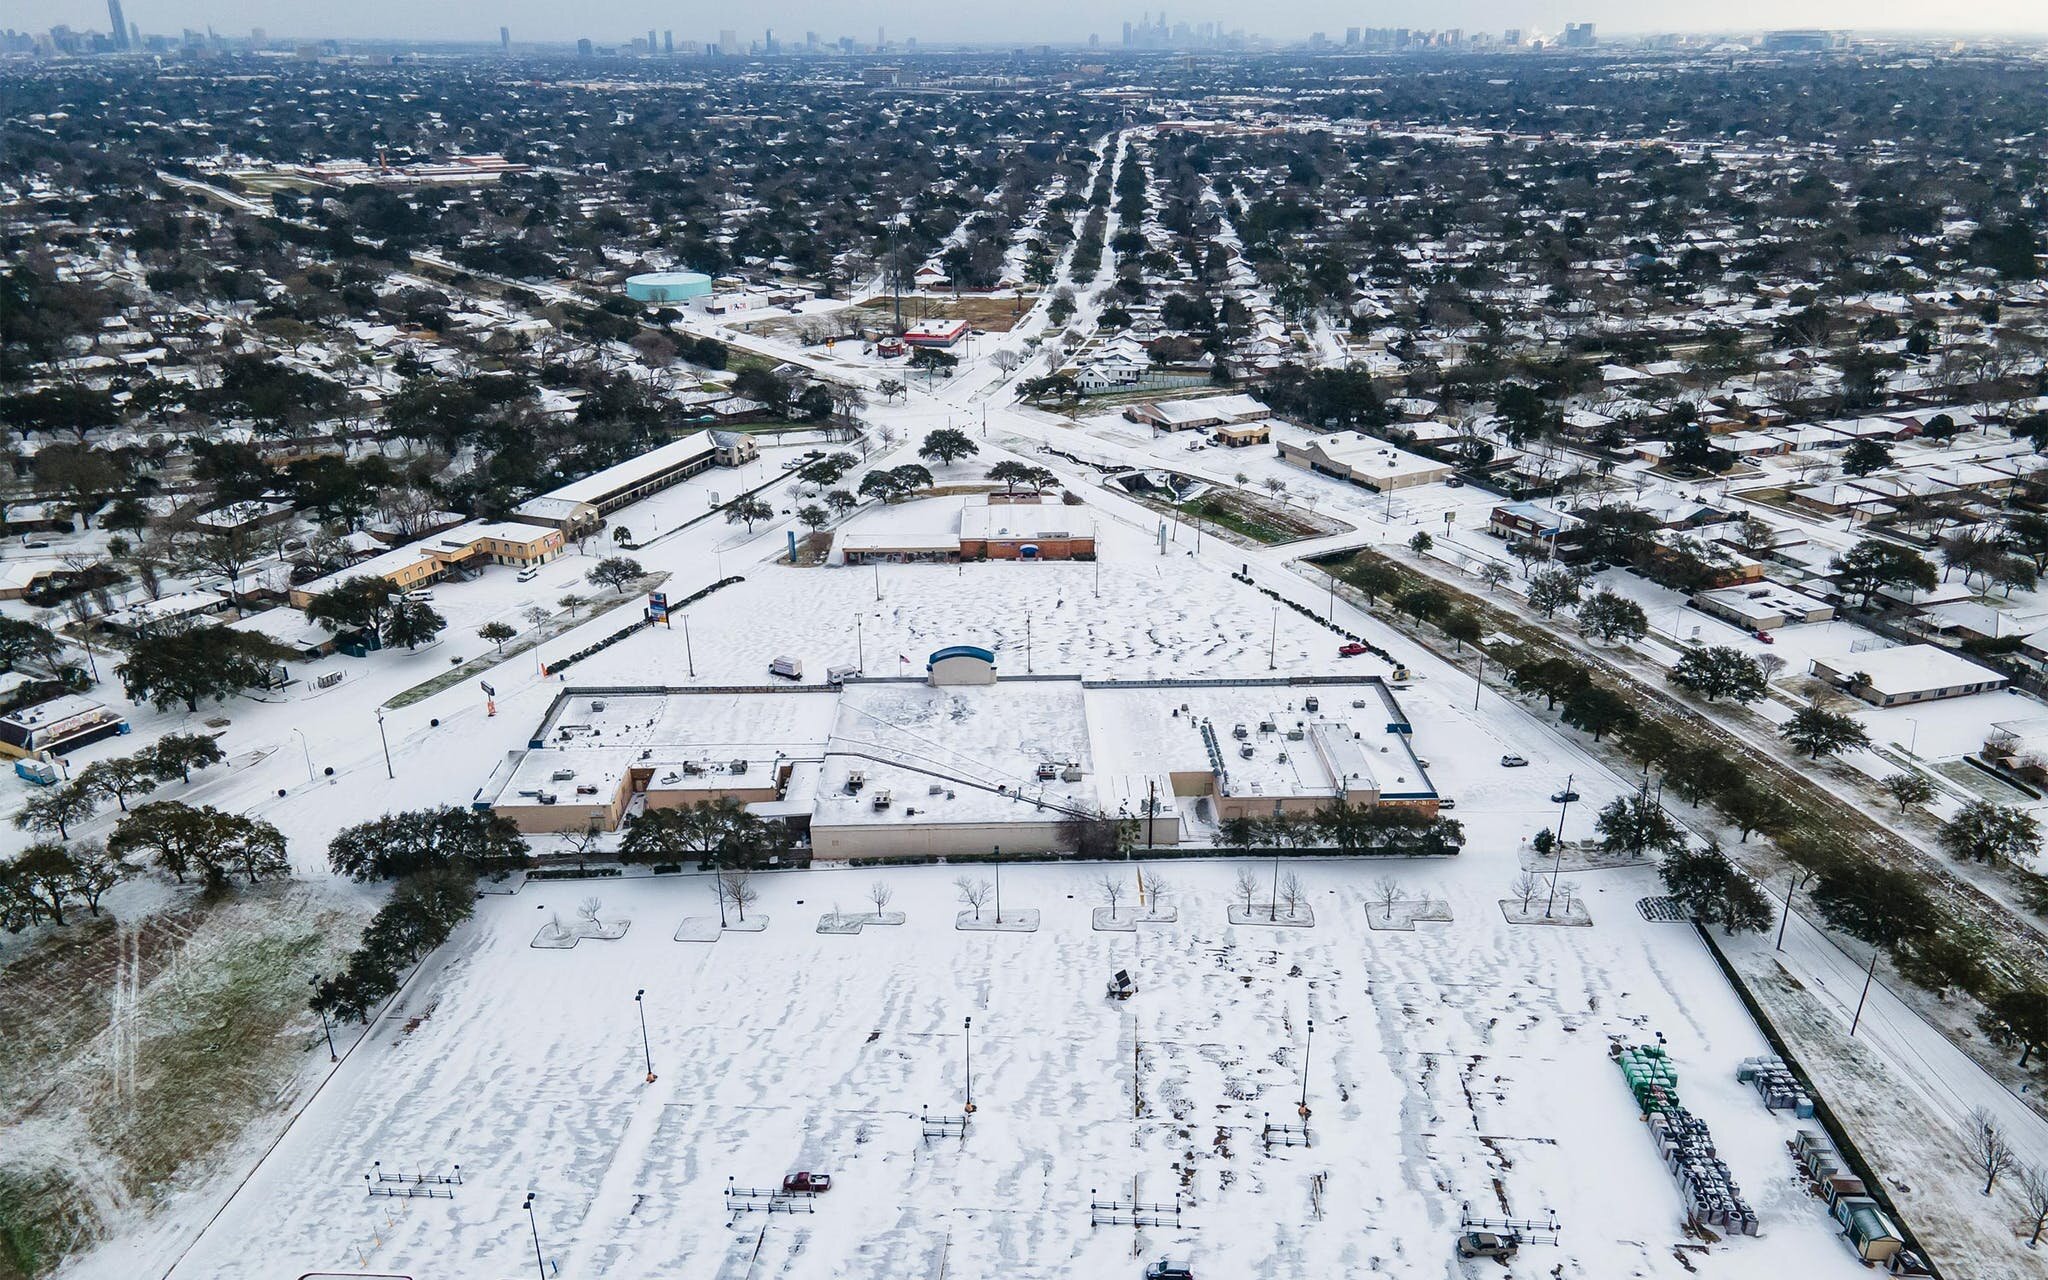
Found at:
[880, 893]
[736, 885]
[1526, 886]
[1158, 888]
[589, 908]
[1989, 1150]
[1387, 891]
[974, 893]
[2034, 1194]
[1111, 887]
[1247, 885]
[1293, 893]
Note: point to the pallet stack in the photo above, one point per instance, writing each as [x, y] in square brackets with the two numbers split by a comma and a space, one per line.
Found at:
[1776, 1085]
[1709, 1189]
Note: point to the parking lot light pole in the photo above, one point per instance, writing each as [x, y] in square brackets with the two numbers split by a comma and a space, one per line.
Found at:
[1557, 862]
[540, 1268]
[646, 1049]
[967, 1028]
[387, 744]
[1307, 1043]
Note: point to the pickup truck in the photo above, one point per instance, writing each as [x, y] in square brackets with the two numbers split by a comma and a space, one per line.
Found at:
[807, 1181]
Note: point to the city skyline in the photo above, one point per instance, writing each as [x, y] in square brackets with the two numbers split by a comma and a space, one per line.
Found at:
[1060, 22]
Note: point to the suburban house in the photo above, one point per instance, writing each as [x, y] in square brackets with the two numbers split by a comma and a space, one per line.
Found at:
[1906, 674]
[1530, 522]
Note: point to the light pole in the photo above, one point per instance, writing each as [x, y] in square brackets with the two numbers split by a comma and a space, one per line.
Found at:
[688, 656]
[1479, 676]
[387, 744]
[1307, 1043]
[646, 1049]
[996, 852]
[1273, 642]
[1798, 882]
[306, 749]
[967, 1028]
[1557, 863]
[327, 1027]
[539, 1268]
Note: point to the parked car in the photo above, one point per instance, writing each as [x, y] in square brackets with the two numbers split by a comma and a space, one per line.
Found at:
[1350, 650]
[807, 1181]
[1485, 1244]
[1514, 762]
[1564, 797]
[1765, 636]
[1168, 1270]
[1446, 802]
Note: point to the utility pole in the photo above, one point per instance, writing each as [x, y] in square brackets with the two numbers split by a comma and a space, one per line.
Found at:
[327, 1027]
[1027, 644]
[1798, 881]
[860, 646]
[1557, 864]
[996, 853]
[688, 656]
[1273, 642]
[1479, 676]
[1869, 976]
[1151, 811]
[387, 744]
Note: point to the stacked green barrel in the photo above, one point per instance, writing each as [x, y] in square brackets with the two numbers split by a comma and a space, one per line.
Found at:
[1711, 1196]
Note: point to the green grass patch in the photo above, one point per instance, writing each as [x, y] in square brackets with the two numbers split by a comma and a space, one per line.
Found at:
[42, 1218]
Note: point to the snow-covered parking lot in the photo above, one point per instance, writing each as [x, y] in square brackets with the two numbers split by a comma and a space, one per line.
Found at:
[1459, 1064]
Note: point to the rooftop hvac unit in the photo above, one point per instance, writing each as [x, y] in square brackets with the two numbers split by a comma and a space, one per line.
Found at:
[561, 775]
[597, 704]
[882, 798]
[1072, 773]
[739, 766]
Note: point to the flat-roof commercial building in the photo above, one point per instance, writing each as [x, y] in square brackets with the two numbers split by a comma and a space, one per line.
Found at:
[1026, 531]
[580, 505]
[935, 333]
[963, 762]
[59, 725]
[470, 545]
[1907, 674]
[1764, 606]
[1365, 460]
[1017, 529]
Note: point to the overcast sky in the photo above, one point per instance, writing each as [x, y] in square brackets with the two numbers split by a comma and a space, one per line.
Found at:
[1049, 20]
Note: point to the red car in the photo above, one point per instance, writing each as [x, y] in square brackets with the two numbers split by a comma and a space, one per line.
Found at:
[812, 1182]
[1765, 636]
[1351, 650]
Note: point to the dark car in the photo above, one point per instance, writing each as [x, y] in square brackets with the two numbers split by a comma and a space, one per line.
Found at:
[1166, 1270]
[1564, 797]
[807, 1181]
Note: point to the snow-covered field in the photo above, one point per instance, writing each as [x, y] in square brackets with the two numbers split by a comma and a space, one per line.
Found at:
[1460, 1064]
